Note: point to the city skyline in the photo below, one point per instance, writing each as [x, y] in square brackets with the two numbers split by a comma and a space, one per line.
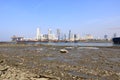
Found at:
[57, 36]
[22, 17]
[70, 36]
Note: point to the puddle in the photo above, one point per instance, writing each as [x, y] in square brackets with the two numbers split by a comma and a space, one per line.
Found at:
[61, 59]
[114, 59]
[49, 58]
[53, 48]
[69, 48]
[87, 48]
[95, 58]
[39, 49]
[81, 74]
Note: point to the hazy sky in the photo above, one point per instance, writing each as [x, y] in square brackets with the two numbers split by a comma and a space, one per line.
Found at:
[22, 17]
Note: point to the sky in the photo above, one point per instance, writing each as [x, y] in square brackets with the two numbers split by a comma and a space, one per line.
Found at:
[23, 17]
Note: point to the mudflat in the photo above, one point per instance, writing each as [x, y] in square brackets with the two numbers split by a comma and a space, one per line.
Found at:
[46, 62]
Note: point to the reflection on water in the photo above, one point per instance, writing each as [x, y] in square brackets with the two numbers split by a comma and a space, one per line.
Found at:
[88, 48]
[107, 44]
[78, 44]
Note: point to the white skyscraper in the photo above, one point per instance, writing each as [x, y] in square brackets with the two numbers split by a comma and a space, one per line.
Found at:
[58, 34]
[38, 36]
[49, 34]
[49, 31]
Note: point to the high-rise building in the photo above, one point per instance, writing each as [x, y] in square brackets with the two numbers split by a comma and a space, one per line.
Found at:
[38, 36]
[114, 35]
[69, 35]
[88, 36]
[58, 34]
[106, 37]
[65, 37]
[49, 31]
[75, 37]
[49, 34]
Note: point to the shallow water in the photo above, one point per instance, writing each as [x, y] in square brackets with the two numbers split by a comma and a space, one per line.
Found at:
[77, 44]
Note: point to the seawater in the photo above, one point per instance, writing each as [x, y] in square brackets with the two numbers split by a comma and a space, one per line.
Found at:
[77, 44]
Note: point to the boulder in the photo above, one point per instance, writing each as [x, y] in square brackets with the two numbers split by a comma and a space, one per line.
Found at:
[63, 51]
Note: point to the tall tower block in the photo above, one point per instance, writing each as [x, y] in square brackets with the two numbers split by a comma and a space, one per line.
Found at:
[58, 34]
[69, 35]
[49, 34]
[38, 36]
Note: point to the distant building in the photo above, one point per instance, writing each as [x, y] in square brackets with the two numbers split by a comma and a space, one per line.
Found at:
[58, 34]
[106, 37]
[65, 37]
[76, 37]
[114, 35]
[88, 37]
[69, 35]
[49, 34]
[38, 35]
[45, 37]
[15, 38]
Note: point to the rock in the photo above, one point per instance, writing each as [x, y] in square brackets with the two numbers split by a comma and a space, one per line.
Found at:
[0, 73]
[3, 68]
[118, 74]
[63, 51]
[45, 77]
[1, 61]
[40, 79]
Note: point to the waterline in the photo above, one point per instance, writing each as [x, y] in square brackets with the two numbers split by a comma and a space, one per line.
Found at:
[78, 44]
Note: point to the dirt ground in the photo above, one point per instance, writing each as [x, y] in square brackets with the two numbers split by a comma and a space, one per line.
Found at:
[45, 62]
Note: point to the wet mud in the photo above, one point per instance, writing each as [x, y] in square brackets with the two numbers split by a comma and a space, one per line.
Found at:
[45, 62]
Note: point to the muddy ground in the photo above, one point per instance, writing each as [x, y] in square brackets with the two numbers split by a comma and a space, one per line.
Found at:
[45, 62]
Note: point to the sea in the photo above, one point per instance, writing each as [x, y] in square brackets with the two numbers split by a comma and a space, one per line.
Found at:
[105, 44]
